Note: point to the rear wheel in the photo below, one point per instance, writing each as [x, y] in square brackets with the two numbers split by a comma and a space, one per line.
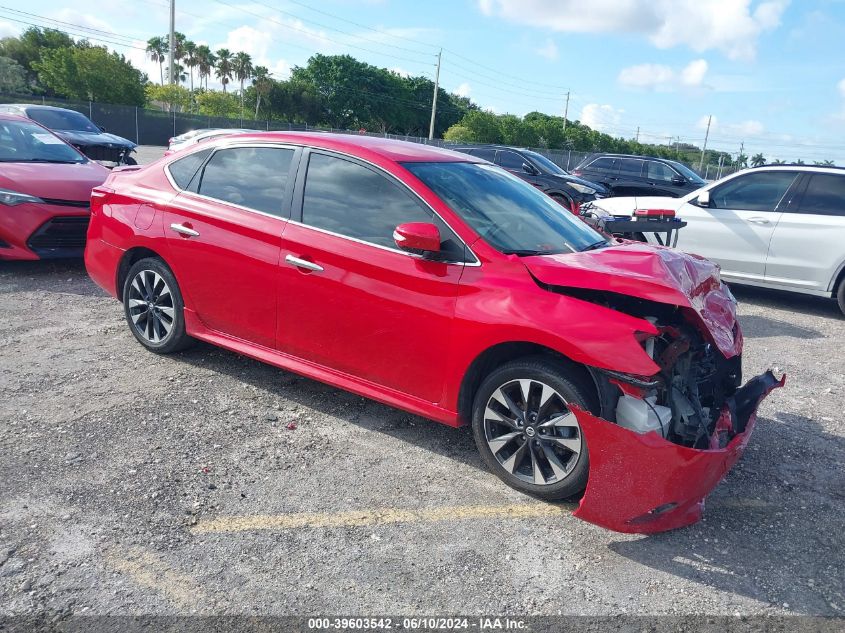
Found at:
[154, 308]
[525, 431]
[840, 294]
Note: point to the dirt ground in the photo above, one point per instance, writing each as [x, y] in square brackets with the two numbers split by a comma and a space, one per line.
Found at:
[132, 484]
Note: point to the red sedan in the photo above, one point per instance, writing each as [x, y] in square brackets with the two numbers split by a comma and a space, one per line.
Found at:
[445, 286]
[45, 191]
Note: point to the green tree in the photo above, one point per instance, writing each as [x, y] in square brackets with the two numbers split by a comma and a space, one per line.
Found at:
[758, 160]
[242, 69]
[28, 48]
[171, 96]
[12, 77]
[217, 103]
[261, 84]
[476, 127]
[157, 48]
[191, 59]
[93, 73]
[742, 160]
[224, 66]
[206, 63]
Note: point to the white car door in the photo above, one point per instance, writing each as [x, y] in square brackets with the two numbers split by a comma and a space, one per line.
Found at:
[735, 230]
[808, 245]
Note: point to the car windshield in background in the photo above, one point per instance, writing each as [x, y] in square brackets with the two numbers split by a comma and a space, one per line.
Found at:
[688, 173]
[545, 163]
[23, 142]
[511, 215]
[62, 120]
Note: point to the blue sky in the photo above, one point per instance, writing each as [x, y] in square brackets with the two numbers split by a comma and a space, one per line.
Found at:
[770, 72]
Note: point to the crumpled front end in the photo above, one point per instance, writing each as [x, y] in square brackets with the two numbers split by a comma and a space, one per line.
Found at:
[643, 483]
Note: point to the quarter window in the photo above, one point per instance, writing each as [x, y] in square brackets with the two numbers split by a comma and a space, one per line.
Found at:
[355, 201]
[486, 154]
[604, 164]
[183, 170]
[825, 195]
[252, 177]
[761, 191]
[510, 160]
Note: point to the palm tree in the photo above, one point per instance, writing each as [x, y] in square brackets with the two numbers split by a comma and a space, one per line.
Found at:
[224, 66]
[261, 81]
[778, 161]
[191, 59]
[242, 67]
[179, 73]
[757, 160]
[157, 49]
[206, 63]
[824, 163]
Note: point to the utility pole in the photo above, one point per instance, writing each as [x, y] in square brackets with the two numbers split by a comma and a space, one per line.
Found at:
[565, 114]
[678, 147]
[434, 100]
[704, 149]
[638, 134]
[170, 66]
[741, 150]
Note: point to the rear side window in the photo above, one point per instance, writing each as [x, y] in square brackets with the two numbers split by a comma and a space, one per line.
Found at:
[604, 164]
[486, 154]
[352, 200]
[825, 195]
[630, 167]
[510, 160]
[184, 169]
[761, 191]
[659, 171]
[252, 177]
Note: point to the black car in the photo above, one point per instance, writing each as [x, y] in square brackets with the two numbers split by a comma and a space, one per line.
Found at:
[78, 130]
[627, 175]
[535, 168]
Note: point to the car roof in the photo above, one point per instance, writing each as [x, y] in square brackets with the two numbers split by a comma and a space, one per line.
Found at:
[14, 117]
[38, 106]
[393, 150]
[638, 156]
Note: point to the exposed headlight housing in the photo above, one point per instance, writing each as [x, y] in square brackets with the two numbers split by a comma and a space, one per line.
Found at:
[582, 188]
[11, 198]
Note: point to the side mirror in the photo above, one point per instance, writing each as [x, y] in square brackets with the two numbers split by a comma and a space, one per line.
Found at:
[704, 199]
[417, 236]
[679, 180]
[102, 128]
[528, 169]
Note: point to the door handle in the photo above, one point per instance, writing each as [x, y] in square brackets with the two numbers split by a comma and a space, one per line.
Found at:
[758, 220]
[303, 263]
[184, 230]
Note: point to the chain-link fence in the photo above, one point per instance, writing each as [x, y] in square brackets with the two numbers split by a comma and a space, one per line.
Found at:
[146, 126]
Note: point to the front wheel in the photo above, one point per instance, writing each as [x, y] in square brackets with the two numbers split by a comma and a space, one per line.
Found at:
[840, 295]
[129, 160]
[563, 201]
[525, 431]
[154, 308]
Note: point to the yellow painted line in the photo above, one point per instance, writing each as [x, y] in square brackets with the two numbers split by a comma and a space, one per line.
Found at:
[382, 516]
[149, 571]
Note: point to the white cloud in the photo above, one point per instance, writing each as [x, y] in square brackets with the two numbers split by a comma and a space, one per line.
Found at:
[731, 26]
[400, 71]
[7, 29]
[548, 50]
[600, 117]
[463, 90]
[742, 129]
[663, 78]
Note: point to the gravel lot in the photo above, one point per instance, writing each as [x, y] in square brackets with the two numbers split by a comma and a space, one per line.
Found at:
[136, 484]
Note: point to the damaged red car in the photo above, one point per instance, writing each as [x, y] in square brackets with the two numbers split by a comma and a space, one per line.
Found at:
[443, 285]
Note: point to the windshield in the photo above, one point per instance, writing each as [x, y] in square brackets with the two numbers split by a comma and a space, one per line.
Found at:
[508, 213]
[688, 173]
[545, 163]
[24, 142]
[62, 120]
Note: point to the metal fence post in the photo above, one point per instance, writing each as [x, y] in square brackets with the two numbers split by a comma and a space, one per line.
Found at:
[90, 111]
[137, 136]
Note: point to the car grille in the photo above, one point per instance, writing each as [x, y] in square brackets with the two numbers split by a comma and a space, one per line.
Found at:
[60, 237]
[101, 152]
[79, 204]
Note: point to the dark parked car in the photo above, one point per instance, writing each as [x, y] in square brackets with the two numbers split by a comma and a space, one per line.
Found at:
[78, 130]
[538, 170]
[628, 175]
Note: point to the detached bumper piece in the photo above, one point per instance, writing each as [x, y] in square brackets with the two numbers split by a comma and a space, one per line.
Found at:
[645, 484]
[60, 237]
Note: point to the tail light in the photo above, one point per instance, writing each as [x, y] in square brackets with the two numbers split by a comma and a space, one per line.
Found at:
[654, 213]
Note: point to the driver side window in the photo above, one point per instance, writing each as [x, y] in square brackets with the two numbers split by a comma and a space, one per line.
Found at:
[761, 191]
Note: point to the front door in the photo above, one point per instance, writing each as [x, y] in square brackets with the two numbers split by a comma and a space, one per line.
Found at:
[224, 236]
[351, 300]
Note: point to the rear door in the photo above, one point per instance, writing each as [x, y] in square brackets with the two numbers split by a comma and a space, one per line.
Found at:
[808, 244]
[736, 229]
[224, 235]
[629, 178]
[660, 179]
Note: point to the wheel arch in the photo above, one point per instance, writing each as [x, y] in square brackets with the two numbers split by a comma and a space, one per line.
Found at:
[505, 352]
[129, 258]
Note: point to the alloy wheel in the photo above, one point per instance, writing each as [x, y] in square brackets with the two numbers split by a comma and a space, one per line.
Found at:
[151, 306]
[531, 432]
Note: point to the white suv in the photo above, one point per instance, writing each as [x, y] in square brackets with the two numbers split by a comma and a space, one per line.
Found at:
[776, 226]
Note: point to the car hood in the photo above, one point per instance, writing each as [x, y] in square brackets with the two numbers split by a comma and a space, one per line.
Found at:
[76, 137]
[53, 180]
[653, 273]
[627, 205]
[581, 181]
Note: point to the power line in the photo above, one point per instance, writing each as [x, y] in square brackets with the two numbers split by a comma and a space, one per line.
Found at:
[80, 27]
[75, 34]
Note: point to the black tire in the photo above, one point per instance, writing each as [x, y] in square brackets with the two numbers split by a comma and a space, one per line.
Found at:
[129, 160]
[568, 476]
[840, 294]
[152, 303]
[562, 200]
